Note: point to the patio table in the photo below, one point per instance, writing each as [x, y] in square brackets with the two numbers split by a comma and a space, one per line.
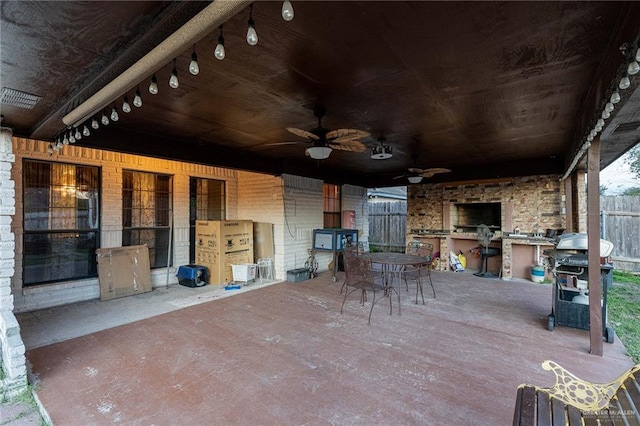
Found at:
[394, 263]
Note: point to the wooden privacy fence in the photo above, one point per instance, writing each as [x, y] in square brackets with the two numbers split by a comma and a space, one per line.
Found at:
[387, 225]
[620, 224]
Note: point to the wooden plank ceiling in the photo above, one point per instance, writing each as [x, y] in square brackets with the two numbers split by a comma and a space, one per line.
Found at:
[485, 89]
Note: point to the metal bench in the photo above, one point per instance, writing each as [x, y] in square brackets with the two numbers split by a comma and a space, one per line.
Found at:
[572, 401]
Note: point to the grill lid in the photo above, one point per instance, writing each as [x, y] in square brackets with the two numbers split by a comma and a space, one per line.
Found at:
[578, 241]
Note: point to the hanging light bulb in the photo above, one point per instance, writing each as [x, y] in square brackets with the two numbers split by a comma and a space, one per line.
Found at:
[114, 114]
[219, 52]
[85, 131]
[624, 83]
[153, 86]
[633, 68]
[137, 99]
[72, 138]
[605, 114]
[78, 135]
[590, 138]
[615, 97]
[599, 124]
[65, 140]
[287, 10]
[193, 65]
[104, 120]
[94, 123]
[50, 149]
[125, 105]
[609, 107]
[252, 35]
[173, 81]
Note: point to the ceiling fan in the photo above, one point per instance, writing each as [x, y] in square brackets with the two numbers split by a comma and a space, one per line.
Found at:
[325, 140]
[415, 175]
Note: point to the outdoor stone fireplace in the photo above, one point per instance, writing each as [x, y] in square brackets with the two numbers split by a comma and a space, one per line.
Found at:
[447, 215]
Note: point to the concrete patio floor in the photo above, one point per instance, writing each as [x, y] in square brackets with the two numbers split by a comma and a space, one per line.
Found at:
[283, 354]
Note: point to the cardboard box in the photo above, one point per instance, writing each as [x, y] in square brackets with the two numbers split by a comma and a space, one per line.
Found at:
[263, 247]
[123, 271]
[221, 243]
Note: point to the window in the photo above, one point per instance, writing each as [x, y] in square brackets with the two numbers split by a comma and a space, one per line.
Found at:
[61, 214]
[206, 202]
[331, 205]
[146, 214]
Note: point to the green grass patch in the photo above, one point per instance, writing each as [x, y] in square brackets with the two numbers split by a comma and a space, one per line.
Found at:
[624, 311]
[625, 277]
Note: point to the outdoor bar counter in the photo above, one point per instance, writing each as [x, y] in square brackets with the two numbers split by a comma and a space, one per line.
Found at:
[518, 253]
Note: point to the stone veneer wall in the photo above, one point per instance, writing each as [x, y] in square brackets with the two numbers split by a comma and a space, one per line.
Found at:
[529, 203]
[532, 201]
[13, 379]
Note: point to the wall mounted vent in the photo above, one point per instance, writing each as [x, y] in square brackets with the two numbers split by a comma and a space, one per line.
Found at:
[18, 99]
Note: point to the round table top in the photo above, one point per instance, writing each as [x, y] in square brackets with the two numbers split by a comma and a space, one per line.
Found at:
[396, 258]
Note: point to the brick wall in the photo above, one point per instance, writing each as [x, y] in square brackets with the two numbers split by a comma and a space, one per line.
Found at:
[112, 164]
[12, 349]
[293, 204]
[260, 198]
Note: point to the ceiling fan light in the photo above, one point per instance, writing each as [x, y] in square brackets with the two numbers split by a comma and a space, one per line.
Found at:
[319, 152]
[414, 179]
[381, 152]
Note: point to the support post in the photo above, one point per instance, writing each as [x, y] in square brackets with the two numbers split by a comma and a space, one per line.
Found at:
[568, 202]
[593, 240]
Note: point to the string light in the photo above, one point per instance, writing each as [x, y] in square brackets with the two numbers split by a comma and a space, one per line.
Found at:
[615, 97]
[104, 120]
[85, 131]
[153, 86]
[94, 123]
[173, 81]
[219, 52]
[114, 114]
[624, 83]
[252, 35]
[78, 135]
[287, 10]
[193, 65]
[125, 105]
[137, 99]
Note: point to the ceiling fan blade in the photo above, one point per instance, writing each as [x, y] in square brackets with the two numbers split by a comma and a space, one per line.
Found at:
[415, 170]
[266, 145]
[430, 172]
[340, 135]
[302, 133]
[350, 145]
[400, 177]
